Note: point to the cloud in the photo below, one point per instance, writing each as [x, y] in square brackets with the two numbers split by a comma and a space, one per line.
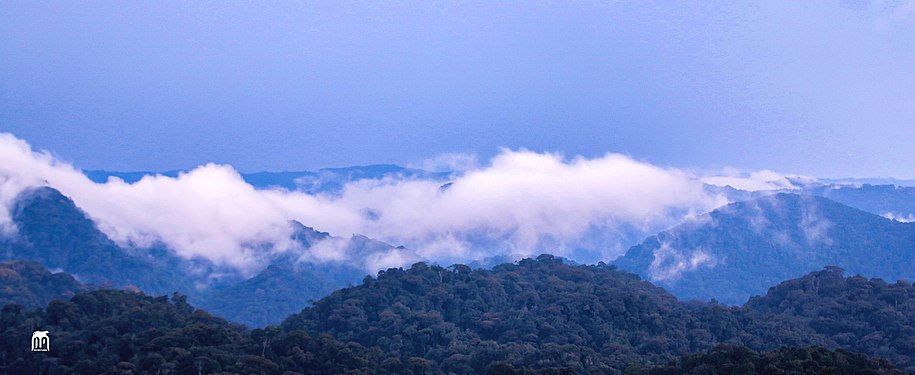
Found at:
[669, 263]
[755, 181]
[815, 228]
[519, 203]
[208, 212]
[902, 218]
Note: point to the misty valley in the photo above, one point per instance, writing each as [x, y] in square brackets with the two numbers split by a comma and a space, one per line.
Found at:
[808, 277]
[457, 187]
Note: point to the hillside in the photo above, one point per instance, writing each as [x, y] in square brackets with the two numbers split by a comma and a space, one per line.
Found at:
[278, 291]
[898, 201]
[863, 315]
[538, 316]
[31, 285]
[737, 251]
[807, 361]
[536, 312]
[57, 234]
[546, 314]
[118, 332]
[54, 232]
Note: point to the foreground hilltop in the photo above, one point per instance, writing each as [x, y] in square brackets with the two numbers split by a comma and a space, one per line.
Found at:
[537, 315]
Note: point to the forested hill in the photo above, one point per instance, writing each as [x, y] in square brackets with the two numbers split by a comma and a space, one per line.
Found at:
[807, 360]
[543, 313]
[739, 250]
[537, 315]
[53, 231]
[870, 316]
[31, 285]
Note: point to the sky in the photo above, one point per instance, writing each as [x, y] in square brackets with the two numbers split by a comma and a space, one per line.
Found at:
[818, 88]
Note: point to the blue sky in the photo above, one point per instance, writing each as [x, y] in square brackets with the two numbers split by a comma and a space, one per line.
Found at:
[816, 88]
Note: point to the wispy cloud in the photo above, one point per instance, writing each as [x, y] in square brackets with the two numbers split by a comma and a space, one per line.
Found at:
[670, 263]
[910, 218]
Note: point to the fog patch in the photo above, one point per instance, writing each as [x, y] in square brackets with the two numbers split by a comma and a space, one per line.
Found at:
[902, 218]
[670, 263]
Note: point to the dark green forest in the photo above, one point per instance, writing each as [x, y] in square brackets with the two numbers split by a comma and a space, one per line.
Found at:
[537, 316]
[31, 285]
[807, 360]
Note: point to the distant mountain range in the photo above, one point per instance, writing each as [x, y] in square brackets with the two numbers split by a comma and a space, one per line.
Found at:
[735, 251]
[892, 201]
[869, 181]
[325, 180]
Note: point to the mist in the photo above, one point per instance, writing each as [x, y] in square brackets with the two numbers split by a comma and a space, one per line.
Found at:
[519, 202]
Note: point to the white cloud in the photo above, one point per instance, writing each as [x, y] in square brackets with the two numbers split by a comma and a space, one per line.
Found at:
[519, 202]
[669, 263]
[756, 181]
[902, 218]
[815, 228]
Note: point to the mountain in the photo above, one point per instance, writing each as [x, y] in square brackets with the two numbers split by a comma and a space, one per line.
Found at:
[51, 230]
[289, 284]
[884, 200]
[100, 176]
[31, 285]
[736, 251]
[54, 232]
[870, 181]
[885, 197]
[279, 290]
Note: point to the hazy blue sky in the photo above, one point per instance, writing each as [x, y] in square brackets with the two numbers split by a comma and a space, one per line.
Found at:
[819, 88]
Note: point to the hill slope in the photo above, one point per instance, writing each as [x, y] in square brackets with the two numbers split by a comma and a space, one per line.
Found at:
[54, 232]
[545, 314]
[31, 285]
[536, 316]
[807, 361]
[57, 234]
[739, 250]
[278, 291]
[867, 316]
[539, 313]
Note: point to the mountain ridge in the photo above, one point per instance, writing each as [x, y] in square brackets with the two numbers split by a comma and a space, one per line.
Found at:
[732, 252]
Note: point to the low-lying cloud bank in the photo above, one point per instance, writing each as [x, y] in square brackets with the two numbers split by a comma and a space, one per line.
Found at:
[520, 202]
